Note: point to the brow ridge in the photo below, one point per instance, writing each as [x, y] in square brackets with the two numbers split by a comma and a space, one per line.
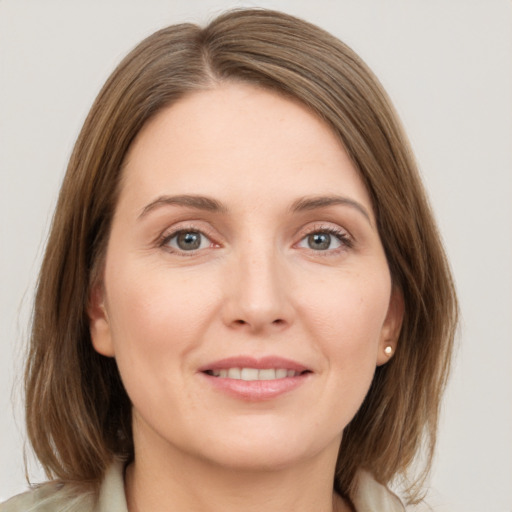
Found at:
[317, 202]
[186, 200]
[212, 205]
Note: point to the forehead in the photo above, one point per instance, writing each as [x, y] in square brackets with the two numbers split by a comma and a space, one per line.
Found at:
[239, 137]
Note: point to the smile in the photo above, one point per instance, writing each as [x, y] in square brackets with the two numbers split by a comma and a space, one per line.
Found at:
[251, 374]
[255, 378]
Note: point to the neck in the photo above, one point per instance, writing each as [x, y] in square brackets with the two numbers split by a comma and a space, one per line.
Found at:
[170, 480]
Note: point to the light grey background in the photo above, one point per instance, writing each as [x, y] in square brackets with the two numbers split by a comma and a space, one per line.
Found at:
[447, 67]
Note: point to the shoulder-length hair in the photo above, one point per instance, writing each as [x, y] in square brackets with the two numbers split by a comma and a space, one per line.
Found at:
[78, 413]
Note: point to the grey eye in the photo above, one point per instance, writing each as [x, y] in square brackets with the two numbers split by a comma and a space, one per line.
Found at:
[188, 241]
[319, 241]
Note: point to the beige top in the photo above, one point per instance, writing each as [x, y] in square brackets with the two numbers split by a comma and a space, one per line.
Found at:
[370, 497]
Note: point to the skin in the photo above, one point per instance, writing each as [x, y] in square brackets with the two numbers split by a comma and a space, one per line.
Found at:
[254, 287]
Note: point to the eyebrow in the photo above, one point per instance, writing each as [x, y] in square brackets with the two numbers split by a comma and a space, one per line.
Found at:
[317, 202]
[197, 202]
[211, 205]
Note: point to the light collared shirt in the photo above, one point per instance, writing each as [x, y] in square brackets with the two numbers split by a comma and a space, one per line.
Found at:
[370, 497]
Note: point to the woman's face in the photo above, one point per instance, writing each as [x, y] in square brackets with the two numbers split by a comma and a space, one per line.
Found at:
[246, 296]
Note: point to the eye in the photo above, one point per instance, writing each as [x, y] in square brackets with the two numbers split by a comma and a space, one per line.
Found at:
[325, 240]
[187, 240]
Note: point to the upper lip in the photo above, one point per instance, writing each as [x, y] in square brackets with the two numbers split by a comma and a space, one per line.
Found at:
[255, 362]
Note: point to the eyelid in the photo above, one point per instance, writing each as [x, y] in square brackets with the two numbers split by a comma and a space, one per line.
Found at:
[346, 239]
[184, 226]
[343, 235]
[312, 227]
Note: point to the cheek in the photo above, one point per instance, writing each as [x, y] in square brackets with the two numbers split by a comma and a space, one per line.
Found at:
[156, 323]
[156, 318]
[347, 318]
[350, 319]
[351, 306]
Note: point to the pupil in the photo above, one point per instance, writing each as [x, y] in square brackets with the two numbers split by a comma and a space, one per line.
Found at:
[319, 241]
[188, 241]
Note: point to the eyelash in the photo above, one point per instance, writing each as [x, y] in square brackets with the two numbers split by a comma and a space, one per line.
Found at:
[166, 237]
[346, 241]
[341, 235]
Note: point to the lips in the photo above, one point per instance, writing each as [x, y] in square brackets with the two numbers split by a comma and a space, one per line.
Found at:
[247, 365]
[253, 379]
[250, 374]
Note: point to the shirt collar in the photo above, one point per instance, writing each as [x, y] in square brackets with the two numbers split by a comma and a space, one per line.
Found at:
[369, 496]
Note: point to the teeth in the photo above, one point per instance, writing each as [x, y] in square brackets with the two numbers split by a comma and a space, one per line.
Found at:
[268, 374]
[250, 374]
[234, 373]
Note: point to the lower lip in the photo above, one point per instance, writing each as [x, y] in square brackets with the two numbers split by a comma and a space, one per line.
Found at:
[256, 390]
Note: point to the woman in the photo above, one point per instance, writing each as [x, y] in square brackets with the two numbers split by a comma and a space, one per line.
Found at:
[244, 302]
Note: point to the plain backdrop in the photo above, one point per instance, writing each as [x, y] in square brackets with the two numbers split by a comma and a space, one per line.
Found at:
[447, 66]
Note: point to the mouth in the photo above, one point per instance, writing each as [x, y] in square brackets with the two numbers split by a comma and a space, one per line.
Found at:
[255, 379]
[252, 374]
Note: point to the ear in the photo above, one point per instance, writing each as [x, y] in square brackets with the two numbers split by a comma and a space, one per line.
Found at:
[99, 326]
[391, 328]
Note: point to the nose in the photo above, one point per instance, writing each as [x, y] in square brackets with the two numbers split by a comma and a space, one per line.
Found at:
[258, 290]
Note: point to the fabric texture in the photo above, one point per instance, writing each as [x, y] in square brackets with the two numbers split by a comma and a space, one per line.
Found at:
[370, 496]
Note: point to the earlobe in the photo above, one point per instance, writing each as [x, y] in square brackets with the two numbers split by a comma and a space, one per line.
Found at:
[391, 327]
[99, 326]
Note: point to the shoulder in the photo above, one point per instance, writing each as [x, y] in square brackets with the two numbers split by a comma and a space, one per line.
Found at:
[370, 495]
[58, 497]
[50, 497]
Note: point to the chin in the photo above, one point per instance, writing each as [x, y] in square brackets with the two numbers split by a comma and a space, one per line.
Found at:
[266, 450]
[264, 459]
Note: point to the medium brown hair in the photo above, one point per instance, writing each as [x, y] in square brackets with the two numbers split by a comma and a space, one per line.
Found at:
[78, 413]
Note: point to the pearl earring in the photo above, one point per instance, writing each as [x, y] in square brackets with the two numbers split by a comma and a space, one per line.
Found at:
[388, 350]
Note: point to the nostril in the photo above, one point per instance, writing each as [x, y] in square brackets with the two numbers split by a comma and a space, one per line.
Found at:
[278, 322]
